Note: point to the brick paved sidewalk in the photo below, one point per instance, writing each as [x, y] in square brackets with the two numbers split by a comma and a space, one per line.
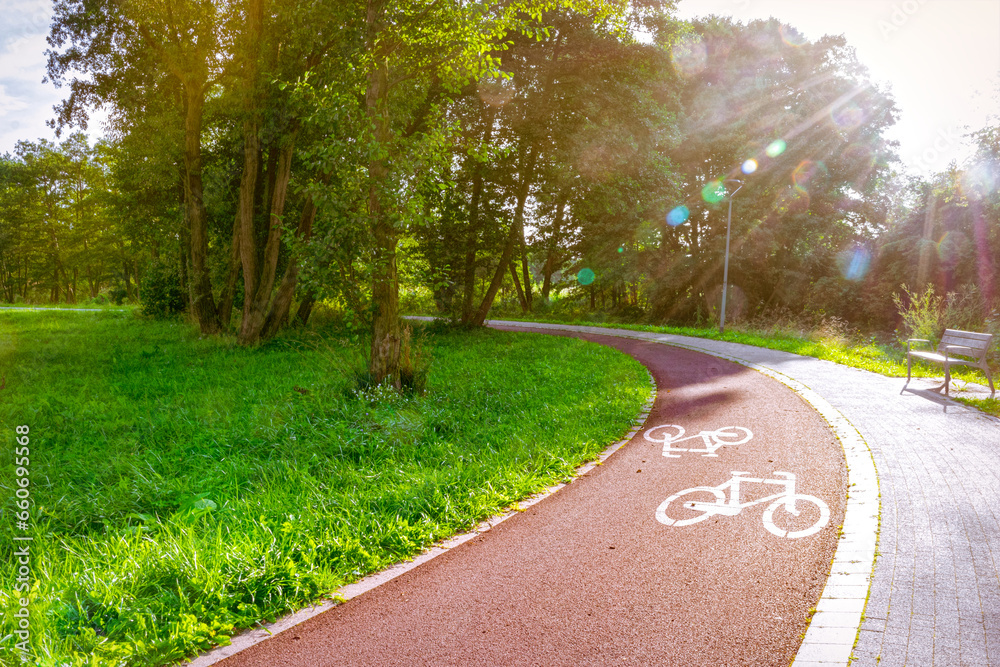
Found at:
[935, 595]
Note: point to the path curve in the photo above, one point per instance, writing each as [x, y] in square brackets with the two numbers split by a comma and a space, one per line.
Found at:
[590, 576]
[934, 597]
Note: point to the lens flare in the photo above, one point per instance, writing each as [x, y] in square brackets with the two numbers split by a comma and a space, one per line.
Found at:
[749, 167]
[854, 263]
[713, 192]
[804, 173]
[689, 56]
[791, 36]
[952, 247]
[585, 276]
[848, 117]
[776, 148]
[621, 248]
[678, 216]
[495, 91]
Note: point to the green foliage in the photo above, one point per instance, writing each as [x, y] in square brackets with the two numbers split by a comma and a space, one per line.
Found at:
[186, 487]
[161, 294]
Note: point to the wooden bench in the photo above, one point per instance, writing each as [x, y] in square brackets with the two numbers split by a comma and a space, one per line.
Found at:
[957, 348]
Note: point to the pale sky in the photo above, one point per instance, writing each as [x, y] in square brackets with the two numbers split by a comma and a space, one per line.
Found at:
[941, 58]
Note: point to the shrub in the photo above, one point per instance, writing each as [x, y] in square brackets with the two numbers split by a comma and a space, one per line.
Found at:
[965, 308]
[921, 313]
[926, 315]
[118, 294]
[161, 294]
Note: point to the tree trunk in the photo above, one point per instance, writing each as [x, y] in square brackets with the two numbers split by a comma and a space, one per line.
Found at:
[547, 272]
[527, 175]
[517, 287]
[525, 272]
[551, 260]
[386, 330]
[255, 305]
[202, 301]
[232, 275]
[305, 308]
[489, 119]
[248, 191]
[251, 156]
[128, 283]
[283, 297]
[184, 265]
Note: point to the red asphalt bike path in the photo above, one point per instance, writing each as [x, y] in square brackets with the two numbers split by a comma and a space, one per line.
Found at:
[594, 575]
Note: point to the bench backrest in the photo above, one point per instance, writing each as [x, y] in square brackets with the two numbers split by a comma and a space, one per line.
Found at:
[979, 343]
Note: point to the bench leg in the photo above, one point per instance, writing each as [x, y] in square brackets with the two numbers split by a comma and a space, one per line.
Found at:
[909, 362]
[947, 379]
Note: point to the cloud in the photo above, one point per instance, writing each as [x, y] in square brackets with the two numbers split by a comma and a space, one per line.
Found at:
[9, 104]
[24, 18]
[23, 59]
[25, 103]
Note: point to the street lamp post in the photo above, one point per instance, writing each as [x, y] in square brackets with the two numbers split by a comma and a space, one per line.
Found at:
[725, 269]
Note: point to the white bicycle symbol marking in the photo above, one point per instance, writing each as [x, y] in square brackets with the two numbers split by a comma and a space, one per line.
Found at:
[670, 434]
[718, 504]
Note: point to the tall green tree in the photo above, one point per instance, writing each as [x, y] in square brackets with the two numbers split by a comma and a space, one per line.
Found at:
[573, 134]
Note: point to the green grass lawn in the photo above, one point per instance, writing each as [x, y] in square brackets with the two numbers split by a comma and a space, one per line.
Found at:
[885, 359]
[184, 487]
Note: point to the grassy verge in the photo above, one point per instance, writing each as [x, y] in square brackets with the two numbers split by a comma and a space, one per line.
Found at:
[185, 487]
[882, 358]
[85, 306]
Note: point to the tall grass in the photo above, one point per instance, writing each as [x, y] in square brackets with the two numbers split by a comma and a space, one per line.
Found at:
[185, 487]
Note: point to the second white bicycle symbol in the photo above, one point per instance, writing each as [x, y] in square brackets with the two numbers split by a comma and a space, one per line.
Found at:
[703, 502]
[671, 434]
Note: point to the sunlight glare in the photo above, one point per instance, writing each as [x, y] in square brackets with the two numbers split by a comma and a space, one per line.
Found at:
[980, 180]
[749, 167]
